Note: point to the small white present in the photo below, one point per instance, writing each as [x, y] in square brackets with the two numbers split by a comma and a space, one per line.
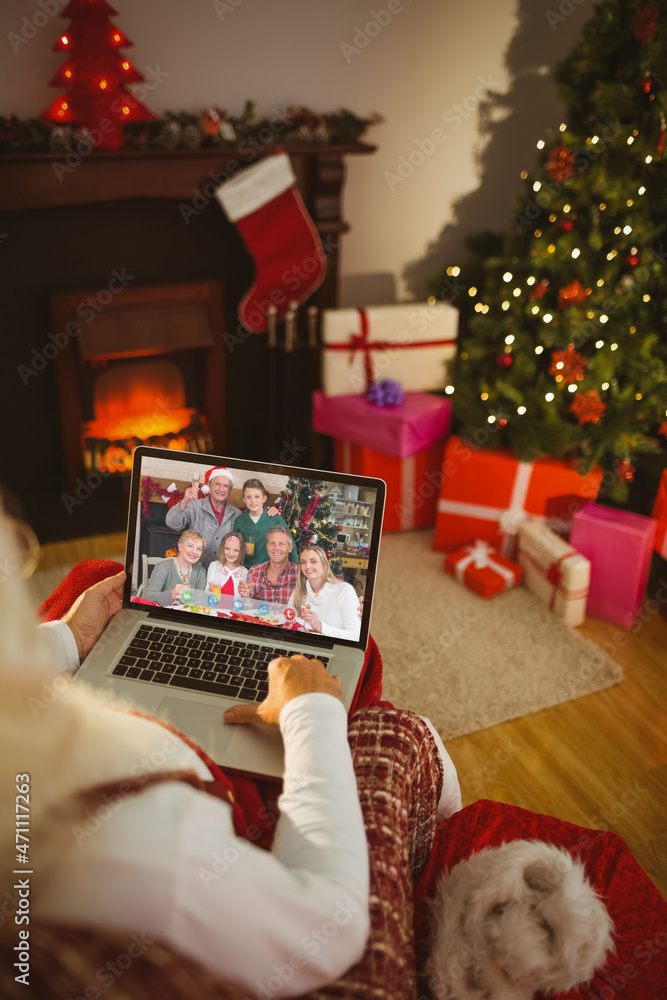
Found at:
[554, 571]
[409, 342]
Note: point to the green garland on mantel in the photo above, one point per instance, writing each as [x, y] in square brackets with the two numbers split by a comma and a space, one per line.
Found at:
[287, 126]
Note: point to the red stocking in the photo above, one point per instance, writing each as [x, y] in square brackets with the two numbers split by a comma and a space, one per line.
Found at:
[275, 225]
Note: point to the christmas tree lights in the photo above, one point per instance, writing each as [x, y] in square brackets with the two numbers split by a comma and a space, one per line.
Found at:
[563, 343]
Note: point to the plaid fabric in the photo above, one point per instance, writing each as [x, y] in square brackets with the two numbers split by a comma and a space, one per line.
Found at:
[263, 590]
[399, 775]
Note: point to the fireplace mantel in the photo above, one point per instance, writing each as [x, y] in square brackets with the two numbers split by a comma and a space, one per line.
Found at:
[46, 180]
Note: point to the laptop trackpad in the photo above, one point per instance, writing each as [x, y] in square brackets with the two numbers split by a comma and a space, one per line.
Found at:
[201, 722]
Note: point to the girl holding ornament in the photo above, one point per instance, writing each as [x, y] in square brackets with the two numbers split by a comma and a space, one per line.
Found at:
[227, 571]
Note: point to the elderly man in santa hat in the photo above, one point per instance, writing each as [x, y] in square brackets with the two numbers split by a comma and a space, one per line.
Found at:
[211, 516]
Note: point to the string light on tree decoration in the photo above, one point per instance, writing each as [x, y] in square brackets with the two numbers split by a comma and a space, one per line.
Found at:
[95, 74]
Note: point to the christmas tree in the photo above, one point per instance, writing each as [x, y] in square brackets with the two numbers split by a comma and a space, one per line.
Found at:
[563, 348]
[308, 511]
[96, 75]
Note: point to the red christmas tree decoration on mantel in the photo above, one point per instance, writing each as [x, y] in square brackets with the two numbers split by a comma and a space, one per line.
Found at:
[96, 74]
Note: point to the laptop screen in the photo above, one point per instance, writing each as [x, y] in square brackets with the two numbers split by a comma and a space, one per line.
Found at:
[252, 546]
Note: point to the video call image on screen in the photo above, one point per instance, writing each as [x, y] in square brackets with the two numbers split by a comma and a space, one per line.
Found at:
[254, 547]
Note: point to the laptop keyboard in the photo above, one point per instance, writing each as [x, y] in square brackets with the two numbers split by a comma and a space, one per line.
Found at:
[212, 664]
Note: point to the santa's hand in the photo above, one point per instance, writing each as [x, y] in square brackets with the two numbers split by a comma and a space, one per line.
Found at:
[90, 613]
[289, 677]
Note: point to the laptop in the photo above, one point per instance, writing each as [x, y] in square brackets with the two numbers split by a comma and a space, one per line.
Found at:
[188, 659]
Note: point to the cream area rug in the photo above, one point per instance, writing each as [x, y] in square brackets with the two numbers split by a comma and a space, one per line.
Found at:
[469, 663]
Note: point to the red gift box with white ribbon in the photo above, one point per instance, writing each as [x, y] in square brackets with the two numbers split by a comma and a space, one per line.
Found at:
[489, 494]
[482, 569]
[412, 482]
[554, 571]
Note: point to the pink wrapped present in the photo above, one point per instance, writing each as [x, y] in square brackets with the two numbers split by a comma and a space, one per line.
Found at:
[483, 570]
[619, 545]
[403, 430]
[554, 571]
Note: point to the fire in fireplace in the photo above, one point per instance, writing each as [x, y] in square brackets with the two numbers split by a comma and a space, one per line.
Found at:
[142, 402]
[148, 368]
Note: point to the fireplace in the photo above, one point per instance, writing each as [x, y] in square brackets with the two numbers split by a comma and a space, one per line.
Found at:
[145, 366]
[116, 220]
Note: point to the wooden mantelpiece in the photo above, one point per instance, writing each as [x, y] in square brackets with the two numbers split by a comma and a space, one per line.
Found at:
[29, 180]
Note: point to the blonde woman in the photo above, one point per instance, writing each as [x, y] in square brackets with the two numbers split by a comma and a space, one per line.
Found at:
[325, 603]
[180, 572]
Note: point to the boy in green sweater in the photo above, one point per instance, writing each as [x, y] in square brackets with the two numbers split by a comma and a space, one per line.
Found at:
[255, 522]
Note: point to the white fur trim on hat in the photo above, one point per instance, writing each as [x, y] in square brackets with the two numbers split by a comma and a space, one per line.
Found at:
[256, 186]
[219, 470]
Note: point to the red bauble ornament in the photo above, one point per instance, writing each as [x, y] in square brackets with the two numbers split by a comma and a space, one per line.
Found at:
[632, 260]
[568, 366]
[647, 18]
[504, 361]
[566, 225]
[561, 164]
[340, 527]
[645, 84]
[573, 294]
[662, 429]
[625, 472]
[539, 290]
[588, 407]
[502, 422]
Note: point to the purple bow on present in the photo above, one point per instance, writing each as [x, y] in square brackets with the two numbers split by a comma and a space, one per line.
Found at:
[386, 393]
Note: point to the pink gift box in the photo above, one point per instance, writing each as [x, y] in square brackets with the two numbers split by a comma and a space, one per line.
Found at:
[619, 545]
[401, 431]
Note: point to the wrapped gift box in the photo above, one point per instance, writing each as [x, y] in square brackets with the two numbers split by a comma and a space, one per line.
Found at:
[410, 343]
[401, 431]
[483, 570]
[489, 494]
[660, 514]
[554, 571]
[619, 545]
[412, 482]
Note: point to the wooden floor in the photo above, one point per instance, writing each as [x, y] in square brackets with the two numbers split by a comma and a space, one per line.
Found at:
[599, 761]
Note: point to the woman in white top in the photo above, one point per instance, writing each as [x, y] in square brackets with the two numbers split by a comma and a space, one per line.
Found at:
[227, 571]
[325, 603]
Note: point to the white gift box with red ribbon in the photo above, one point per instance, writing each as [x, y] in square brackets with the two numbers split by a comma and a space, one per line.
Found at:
[409, 342]
[554, 571]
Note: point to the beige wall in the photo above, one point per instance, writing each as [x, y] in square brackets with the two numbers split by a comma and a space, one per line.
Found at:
[424, 64]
